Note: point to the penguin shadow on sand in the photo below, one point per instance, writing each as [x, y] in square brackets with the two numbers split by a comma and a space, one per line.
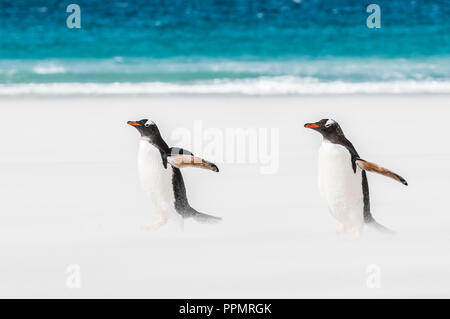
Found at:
[161, 178]
[343, 181]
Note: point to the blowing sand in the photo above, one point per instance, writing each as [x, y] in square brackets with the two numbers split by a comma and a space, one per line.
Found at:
[70, 196]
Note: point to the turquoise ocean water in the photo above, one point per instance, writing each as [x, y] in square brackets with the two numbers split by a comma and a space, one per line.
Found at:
[224, 46]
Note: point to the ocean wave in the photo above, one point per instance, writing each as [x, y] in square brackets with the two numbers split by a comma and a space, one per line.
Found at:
[125, 69]
[49, 69]
[260, 86]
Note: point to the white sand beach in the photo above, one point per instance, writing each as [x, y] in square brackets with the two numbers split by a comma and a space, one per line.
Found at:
[70, 196]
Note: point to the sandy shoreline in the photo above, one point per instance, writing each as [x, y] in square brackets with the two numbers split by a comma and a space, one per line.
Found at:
[70, 195]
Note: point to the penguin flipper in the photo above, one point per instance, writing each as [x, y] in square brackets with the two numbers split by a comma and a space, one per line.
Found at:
[180, 161]
[372, 167]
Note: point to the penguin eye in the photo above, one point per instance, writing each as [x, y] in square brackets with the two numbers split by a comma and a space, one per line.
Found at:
[329, 123]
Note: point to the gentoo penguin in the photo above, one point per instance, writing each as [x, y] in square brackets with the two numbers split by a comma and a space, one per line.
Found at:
[343, 180]
[160, 176]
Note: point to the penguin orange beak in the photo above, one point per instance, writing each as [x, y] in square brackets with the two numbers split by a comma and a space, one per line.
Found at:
[311, 125]
[133, 123]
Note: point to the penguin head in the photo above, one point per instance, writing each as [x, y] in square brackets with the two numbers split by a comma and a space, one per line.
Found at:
[146, 128]
[150, 132]
[326, 127]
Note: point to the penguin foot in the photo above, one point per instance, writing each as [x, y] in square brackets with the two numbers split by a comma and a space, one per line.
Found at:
[155, 225]
[348, 232]
[341, 229]
[357, 233]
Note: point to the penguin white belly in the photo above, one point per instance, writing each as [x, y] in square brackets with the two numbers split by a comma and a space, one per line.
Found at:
[156, 180]
[339, 186]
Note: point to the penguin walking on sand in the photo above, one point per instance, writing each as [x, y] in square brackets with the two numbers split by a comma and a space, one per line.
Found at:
[160, 176]
[343, 180]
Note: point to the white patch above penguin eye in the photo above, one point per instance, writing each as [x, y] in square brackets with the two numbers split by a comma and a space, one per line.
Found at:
[329, 123]
[149, 123]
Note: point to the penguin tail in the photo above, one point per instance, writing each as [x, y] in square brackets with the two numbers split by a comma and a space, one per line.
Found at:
[376, 225]
[204, 218]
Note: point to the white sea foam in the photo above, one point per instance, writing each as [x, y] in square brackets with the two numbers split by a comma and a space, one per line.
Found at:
[258, 86]
[49, 69]
[326, 69]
